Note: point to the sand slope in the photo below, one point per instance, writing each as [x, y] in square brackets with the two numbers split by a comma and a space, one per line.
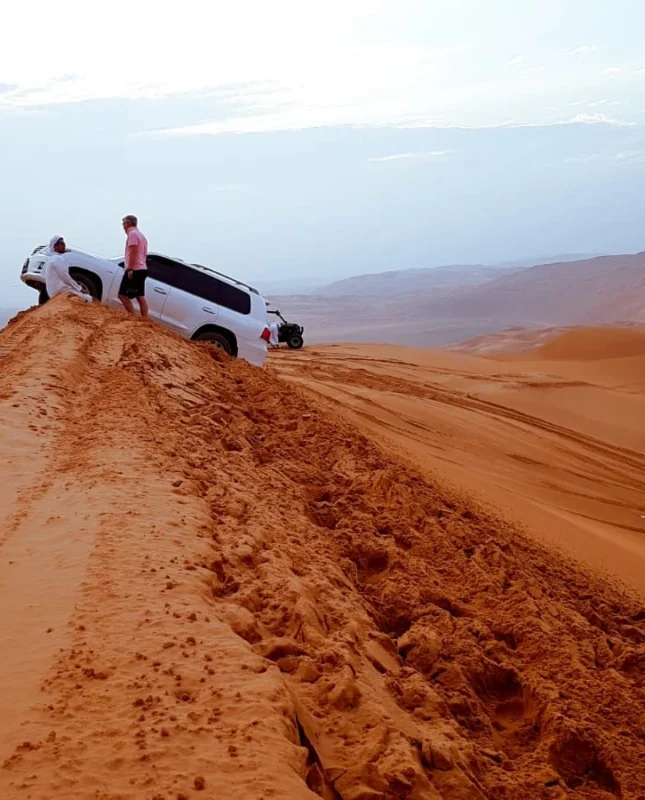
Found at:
[610, 356]
[213, 586]
[592, 344]
[559, 445]
[518, 340]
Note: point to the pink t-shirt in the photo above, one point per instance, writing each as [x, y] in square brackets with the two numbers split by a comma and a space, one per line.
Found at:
[136, 238]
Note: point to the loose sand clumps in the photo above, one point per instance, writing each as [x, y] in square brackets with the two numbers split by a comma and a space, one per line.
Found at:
[267, 605]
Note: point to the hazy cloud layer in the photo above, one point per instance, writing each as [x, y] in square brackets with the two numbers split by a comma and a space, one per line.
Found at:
[376, 133]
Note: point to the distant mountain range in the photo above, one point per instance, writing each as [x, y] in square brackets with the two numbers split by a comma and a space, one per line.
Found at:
[405, 281]
[414, 280]
[594, 290]
[429, 311]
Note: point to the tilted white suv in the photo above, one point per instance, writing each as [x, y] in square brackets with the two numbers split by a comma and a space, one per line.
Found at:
[194, 301]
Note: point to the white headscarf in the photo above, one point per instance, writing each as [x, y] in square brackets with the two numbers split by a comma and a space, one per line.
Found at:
[52, 243]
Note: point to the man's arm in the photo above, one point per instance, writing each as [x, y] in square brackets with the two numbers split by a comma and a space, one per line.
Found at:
[59, 265]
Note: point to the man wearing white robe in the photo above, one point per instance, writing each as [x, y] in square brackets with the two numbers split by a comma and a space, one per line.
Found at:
[274, 327]
[57, 277]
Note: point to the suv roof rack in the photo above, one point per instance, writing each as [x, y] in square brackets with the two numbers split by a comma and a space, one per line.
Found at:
[228, 278]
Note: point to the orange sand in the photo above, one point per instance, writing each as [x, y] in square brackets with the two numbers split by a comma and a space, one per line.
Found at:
[581, 344]
[215, 586]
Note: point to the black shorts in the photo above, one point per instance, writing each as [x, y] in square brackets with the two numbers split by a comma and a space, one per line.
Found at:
[134, 286]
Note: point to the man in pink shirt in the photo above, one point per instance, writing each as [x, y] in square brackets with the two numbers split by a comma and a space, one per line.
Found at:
[133, 285]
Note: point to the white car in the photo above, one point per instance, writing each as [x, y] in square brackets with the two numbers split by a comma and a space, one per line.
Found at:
[194, 301]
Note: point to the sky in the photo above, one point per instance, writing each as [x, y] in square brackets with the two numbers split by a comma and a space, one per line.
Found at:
[305, 141]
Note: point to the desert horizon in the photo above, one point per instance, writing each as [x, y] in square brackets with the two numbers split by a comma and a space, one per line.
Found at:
[452, 305]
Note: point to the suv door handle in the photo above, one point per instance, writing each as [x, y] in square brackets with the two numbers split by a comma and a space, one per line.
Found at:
[160, 291]
[208, 310]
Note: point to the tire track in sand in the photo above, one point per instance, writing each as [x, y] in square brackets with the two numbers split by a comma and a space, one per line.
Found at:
[579, 491]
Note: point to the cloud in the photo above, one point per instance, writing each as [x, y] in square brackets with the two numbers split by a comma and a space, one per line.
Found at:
[583, 158]
[630, 155]
[612, 70]
[583, 50]
[419, 155]
[338, 63]
[594, 103]
[296, 119]
[580, 119]
[623, 155]
[290, 43]
[596, 119]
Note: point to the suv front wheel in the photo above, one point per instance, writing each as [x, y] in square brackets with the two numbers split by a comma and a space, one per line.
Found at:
[86, 282]
[217, 340]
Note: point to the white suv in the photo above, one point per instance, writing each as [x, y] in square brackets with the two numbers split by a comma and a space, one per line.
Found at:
[194, 301]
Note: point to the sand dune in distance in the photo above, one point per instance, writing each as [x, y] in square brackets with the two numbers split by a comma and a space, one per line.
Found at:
[594, 344]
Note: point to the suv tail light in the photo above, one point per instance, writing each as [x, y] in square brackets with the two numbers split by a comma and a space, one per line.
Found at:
[266, 335]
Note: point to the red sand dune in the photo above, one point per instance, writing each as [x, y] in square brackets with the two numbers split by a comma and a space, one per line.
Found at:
[580, 344]
[215, 585]
[510, 341]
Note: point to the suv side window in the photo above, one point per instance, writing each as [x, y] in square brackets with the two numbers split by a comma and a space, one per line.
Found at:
[228, 296]
[162, 269]
[195, 282]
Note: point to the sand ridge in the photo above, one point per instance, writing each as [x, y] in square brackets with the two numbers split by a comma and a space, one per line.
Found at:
[268, 604]
[600, 342]
[594, 344]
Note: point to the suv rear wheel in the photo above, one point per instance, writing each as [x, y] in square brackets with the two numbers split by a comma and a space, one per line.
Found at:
[217, 340]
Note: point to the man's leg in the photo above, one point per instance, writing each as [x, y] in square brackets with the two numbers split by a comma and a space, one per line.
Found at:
[143, 306]
[127, 303]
